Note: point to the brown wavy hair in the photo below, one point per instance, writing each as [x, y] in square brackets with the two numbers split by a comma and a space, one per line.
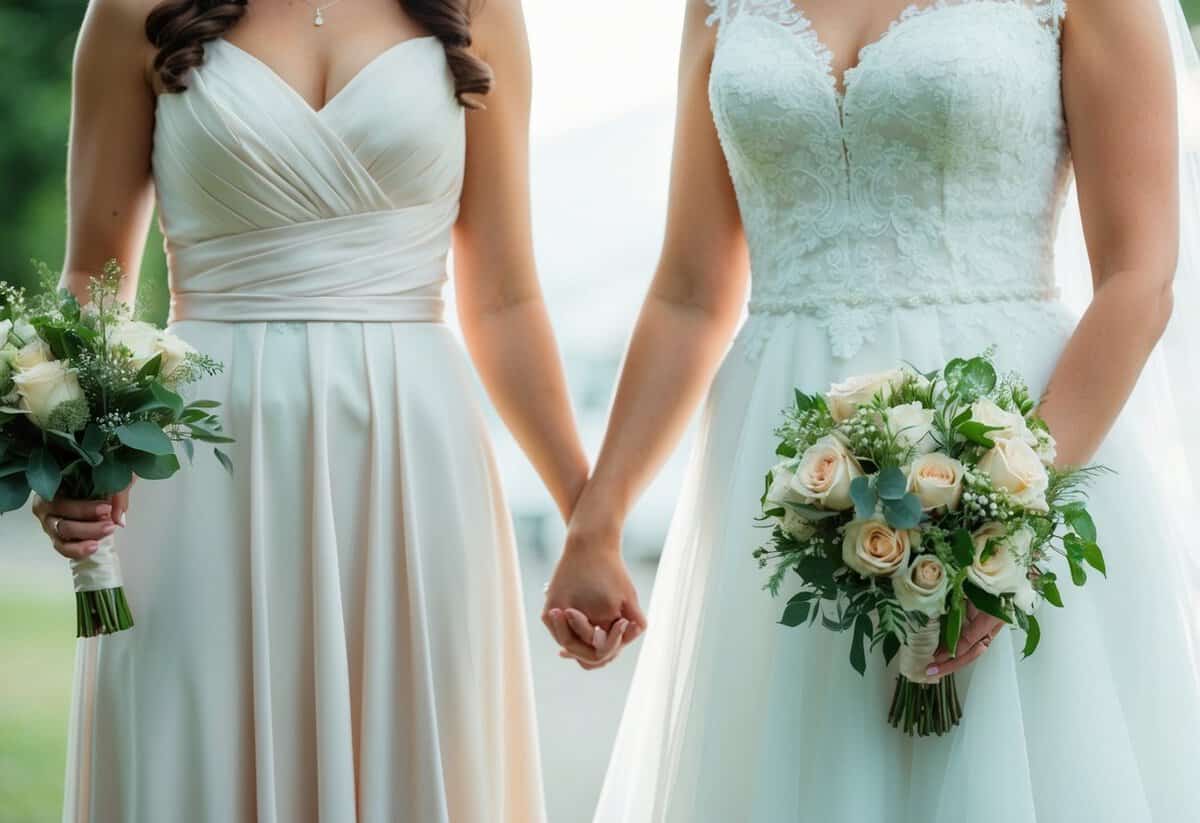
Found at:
[180, 28]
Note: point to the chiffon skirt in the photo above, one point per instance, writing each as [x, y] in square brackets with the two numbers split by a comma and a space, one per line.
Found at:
[732, 717]
[335, 632]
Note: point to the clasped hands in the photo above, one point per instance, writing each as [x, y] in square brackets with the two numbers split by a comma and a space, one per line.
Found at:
[592, 606]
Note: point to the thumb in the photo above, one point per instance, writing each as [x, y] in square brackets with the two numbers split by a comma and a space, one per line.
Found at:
[637, 620]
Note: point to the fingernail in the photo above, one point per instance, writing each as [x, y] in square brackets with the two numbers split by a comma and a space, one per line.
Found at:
[91, 548]
[121, 519]
[104, 510]
[109, 528]
[556, 613]
[931, 671]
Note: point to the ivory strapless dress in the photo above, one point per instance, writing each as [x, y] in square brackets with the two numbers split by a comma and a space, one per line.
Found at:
[335, 633]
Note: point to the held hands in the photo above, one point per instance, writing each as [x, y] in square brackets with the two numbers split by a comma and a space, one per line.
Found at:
[76, 527]
[591, 604]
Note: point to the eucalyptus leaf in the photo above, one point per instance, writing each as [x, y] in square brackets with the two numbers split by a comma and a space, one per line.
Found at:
[111, 476]
[864, 498]
[146, 437]
[154, 466]
[978, 377]
[14, 491]
[904, 513]
[43, 473]
[892, 484]
[810, 513]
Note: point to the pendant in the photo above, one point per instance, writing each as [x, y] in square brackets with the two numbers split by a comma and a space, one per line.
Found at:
[318, 19]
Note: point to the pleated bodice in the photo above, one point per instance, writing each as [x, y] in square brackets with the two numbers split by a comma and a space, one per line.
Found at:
[274, 210]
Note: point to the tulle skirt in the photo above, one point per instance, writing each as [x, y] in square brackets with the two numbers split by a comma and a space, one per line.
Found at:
[335, 632]
[732, 717]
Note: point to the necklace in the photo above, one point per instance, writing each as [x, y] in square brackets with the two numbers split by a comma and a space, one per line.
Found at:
[319, 11]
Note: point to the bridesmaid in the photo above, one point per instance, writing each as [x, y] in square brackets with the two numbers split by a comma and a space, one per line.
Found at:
[336, 634]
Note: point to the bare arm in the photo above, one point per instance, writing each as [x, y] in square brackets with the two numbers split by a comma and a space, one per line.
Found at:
[500, 304]
[686, 323]
[110, 200]
[1116, 71]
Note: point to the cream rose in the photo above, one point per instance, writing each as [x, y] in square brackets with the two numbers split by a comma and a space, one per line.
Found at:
[1016, 468]
[779, 495]
[174, 351]
[45, 387]
[923, 587]
[937, 481]
[1009, 425]
[824, 475]
[34, 353]
[912, 425]
[24, 330]
[138, 338]
[844, 398]
[875, 549]
[1004, 571]
[5, 328]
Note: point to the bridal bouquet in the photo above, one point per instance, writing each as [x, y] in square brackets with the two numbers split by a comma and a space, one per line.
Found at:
[88, 399]
[903, 497]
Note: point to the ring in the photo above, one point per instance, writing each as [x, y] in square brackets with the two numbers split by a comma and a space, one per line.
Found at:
[54, 527]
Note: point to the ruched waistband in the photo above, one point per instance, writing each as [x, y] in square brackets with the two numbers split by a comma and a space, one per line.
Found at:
[825, 305]
[272, 308]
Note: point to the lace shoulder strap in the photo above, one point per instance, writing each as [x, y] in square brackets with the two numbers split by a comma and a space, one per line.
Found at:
[784, 12]
[1049, 12]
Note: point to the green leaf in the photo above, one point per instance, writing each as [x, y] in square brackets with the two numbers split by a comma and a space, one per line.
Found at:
[891, 646]
[111, 476]
[963, 546]
[977, 433]
[904, 513]
[93, 440]
[168, 398]
[153, 466]
[960, 418]
[224, 460]
[795, 614]
[986, 602]
[68, 440]
[953, 371]
[1033, 636]
[803, 401]
[43, 473]
[151, 369]
[785, 450]
[204, 404]
[1095, 558]
[952, 627]
[1049, 590]
[864, 498]
[146, 437]
[1079, 520]
[810, 513]
[978, 377]
[892, 484]
[858, 651]
[1078, 575]
[14, 491]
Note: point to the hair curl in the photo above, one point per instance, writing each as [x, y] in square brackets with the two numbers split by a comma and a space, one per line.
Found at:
[180, 28]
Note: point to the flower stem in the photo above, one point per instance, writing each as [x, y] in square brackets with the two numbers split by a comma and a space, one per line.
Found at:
[925, 708]
[101, 612]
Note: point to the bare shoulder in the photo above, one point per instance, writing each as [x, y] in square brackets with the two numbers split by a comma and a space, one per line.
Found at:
[495, 19]
[113, 37]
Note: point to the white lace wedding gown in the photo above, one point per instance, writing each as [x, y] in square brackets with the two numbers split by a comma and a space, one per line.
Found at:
[911, 218]
[335, 633]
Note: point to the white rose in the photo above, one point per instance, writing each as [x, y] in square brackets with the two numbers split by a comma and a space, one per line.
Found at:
[174, 351]
[795, 526]
[45, 387]
[937, 481]
[779, 495]
[912, 426]
[24, 330]
[844, 398]
[824, 475]
[923, 587]
[139, 338]
[874, 549]
[1009, 425]
[1004, 572]
[34, 353]
[5, 328]
[1015, 467]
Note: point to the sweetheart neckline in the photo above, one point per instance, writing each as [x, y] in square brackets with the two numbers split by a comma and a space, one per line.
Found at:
[351, 83]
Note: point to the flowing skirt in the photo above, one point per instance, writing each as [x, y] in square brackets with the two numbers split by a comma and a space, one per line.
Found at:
[732, 717]
[335, 633]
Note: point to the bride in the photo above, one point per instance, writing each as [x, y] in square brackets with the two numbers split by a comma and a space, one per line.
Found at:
[899, 202]
[336, 633]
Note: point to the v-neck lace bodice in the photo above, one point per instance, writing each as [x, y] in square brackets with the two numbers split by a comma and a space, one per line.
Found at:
[934, 176]
[275, 210]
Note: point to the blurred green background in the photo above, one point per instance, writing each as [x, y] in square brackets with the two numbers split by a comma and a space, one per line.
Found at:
[36, 610]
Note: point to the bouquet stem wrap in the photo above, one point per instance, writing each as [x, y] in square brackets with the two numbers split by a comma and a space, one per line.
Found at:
[100, 604]
[924, 704]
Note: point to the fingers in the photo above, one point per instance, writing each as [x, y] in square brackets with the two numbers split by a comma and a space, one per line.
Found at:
[607, 653]
[567, 639]
[75, 527]
[120, 505]
[978, 627]
[77, 531]
[73, 509]
[961, 662]
[77, 550]
[583, 628]
[637, 620]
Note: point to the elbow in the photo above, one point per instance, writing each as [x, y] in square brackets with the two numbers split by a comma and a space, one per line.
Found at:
[1162, 307]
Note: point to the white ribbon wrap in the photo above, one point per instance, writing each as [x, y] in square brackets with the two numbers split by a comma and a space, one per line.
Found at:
[100, 571]
[917, 654]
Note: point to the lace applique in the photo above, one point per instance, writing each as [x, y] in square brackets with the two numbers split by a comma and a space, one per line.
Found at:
[934, 179]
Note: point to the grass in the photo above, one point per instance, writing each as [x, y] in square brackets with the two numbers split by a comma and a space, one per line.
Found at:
[37, 648]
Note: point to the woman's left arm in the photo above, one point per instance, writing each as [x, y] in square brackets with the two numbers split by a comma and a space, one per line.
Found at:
[500, 305]
[1120, 97]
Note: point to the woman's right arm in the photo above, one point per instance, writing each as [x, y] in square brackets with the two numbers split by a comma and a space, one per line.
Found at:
[110, 199]
[686, 322]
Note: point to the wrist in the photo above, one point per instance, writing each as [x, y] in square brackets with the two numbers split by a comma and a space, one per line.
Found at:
[594, 528]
